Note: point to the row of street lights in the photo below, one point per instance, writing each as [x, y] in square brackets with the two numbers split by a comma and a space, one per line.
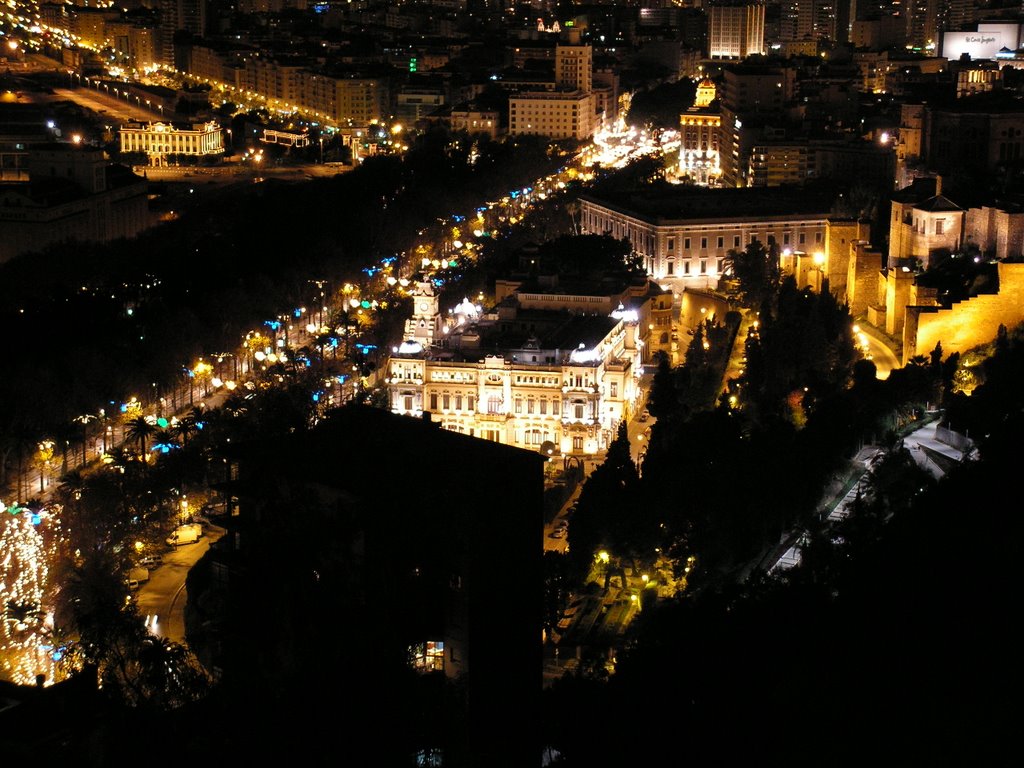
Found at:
[118, 92]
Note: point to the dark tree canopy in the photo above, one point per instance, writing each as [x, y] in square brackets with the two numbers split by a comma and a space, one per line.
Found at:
[661, 106]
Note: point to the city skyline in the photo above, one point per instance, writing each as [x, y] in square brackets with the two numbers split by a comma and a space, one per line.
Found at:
[320, 313]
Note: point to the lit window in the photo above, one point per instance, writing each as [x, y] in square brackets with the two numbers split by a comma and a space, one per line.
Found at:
[428, 656]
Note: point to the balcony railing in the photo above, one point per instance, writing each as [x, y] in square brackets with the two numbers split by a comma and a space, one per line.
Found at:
[483, 416]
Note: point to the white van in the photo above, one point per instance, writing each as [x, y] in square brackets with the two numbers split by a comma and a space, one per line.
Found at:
[185, 534]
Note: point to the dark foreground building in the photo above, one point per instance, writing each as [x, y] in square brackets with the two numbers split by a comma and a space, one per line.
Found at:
[378, 593]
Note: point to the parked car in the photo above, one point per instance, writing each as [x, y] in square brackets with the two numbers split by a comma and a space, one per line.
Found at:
[151, 561]
[558, 533]
[136, 577]
[644, 415]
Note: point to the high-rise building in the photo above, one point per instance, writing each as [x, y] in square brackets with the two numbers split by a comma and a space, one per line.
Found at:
[812, 19]
[179, 15]
[960, 14]
[574, 67]
[923, 19]
[735, 29]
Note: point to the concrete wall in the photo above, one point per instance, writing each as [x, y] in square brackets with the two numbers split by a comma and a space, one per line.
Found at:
[690, 314]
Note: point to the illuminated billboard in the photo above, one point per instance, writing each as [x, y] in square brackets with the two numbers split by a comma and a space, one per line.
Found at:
[980, 45]
[983, 44]
[1010, 32]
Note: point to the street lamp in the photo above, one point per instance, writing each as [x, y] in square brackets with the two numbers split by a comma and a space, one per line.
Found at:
[819, 269]
[45, 454]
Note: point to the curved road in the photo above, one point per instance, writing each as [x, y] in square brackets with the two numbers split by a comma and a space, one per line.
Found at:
[877, 350]
[161, 600]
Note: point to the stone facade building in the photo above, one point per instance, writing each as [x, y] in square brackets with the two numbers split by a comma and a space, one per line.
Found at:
[521, 373]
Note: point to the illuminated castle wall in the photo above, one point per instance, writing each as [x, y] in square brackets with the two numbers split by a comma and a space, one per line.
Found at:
[969, 323]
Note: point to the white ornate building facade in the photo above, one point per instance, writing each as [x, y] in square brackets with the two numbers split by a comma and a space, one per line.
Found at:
[560, 382]
[161, 139]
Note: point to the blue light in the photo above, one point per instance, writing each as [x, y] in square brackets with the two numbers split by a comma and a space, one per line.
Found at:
[274, 324]
[36, 519]
[297, 312]
[316, 397]
[124, 408]
[334, 343]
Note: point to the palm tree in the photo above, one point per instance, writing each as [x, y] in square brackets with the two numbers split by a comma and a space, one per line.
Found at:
[186, 427]
[139, 429]
[164, 440]
[71, 487]
[167, 674]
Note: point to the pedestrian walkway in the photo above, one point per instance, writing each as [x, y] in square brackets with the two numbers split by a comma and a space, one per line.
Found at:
[931, 453]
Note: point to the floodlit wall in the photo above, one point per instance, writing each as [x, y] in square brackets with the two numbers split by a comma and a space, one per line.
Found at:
[862, 277]
[968, 323]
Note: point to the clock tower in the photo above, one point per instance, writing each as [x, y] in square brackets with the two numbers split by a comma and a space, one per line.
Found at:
[425, 324]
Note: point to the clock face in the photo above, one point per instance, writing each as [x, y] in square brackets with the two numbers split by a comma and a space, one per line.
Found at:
[424, 306]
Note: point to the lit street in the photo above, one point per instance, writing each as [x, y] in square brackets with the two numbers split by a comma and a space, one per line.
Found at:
[161, 600]
[313, 310]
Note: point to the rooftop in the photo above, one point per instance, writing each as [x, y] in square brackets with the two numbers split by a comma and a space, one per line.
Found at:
[660, 205]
